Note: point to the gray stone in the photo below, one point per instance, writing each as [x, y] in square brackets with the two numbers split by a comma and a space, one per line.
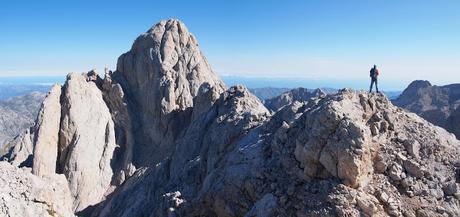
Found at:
[86, 141]
[413, 148]
[450, 188]
[25, 195]
[413, 168]
[46, 141]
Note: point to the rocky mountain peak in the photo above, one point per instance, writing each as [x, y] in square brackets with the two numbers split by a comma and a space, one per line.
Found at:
[96, 131]
[438, 104]
[162, 74]
[417, 84]
[168, 55]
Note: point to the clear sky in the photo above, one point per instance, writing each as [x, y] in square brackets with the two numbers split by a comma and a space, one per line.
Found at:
[322, 39]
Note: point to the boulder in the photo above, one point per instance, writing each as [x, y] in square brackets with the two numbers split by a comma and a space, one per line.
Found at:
[25, 195]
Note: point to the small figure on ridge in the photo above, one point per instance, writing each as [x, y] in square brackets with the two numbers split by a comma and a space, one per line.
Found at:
[374, 74]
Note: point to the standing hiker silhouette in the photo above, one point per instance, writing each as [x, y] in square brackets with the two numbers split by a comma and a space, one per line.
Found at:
[374, 73]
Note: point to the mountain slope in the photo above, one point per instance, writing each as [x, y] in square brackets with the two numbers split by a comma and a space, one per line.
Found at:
[17, 114]
[342, 155]
[438, 104]
[264, 93]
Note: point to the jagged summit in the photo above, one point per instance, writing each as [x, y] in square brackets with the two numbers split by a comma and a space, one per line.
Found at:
[169, 54]
[419, 84]
[163, 136]
[162, 74]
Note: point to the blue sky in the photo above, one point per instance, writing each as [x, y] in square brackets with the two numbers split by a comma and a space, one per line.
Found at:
[296, 39]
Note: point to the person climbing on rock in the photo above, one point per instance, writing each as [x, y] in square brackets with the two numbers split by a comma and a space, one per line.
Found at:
[374, 74]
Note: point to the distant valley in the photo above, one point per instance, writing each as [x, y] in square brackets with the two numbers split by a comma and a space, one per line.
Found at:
[17, 114]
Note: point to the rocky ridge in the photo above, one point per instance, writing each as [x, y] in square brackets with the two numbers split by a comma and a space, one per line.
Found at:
[348, 154]
[163, 136]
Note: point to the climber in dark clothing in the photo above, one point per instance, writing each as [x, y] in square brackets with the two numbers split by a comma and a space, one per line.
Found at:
[374, 74]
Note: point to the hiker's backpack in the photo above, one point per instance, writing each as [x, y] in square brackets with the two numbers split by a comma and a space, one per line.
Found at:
[374, 72]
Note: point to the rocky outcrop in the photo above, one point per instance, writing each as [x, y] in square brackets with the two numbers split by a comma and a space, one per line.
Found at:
[107, 127]
[298, 94]
[74, 135]
[438, 104]
[17, 114]
[86, 141]
[25, 195]
[383, 157]
[46, 141]
[347, 154]
[203, 150]
[19, 151]
[162, 73]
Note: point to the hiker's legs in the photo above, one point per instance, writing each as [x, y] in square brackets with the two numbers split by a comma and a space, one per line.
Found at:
[372, 83]
[376, 86]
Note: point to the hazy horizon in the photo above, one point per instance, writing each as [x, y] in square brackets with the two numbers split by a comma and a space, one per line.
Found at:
[327, 40]
[230, 80]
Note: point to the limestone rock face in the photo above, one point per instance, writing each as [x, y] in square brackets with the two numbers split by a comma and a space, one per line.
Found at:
[80, 143]
[19, 151]
[46, 141]
[163, 73]
[363, 140]
[201, 156]
[97, 131]
[439, 105]
[75, 135]
[25, 195]
[86, 141]
[345, 154]
[118, 104]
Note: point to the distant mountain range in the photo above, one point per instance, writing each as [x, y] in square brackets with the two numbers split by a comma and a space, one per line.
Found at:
[17, 114]
[8, 91]
[264, 93]
[20, 102]
[264, 88]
